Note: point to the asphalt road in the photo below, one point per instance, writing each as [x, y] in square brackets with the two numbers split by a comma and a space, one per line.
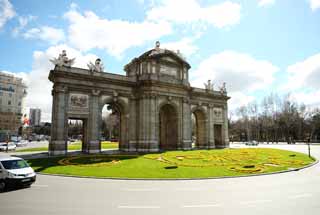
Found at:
[287, 193]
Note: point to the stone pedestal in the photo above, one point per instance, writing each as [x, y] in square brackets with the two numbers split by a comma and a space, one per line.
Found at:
[57, 147]
[94, 147]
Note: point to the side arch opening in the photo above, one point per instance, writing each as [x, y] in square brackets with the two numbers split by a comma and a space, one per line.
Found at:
[168, 127]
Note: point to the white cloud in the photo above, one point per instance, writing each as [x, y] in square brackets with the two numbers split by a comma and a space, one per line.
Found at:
[23, 22]
[238, 99]
[6, 12]
[264, 3]
[185, 46]
[314, 4]
[45, 33]
[88, 31]
[305, 73]
[39, 87]
[240, 71]
[311, 99]
[186, 11]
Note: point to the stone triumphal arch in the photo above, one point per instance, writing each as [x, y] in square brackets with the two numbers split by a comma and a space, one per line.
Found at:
[154, 99]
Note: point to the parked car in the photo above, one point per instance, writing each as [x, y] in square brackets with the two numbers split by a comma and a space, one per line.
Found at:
[15, 138]
[11, 146]
[15, 171]
[252, 143]
[21, 143]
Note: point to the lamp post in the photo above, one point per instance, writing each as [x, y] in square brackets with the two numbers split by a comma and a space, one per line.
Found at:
[7, 141]
[308, 142]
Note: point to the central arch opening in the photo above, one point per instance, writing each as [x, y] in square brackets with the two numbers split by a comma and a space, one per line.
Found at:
[168, 124]
[198, 129]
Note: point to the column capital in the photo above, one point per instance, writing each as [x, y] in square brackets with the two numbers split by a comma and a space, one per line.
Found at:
[186, 100]
[96, 92]
[59, 89]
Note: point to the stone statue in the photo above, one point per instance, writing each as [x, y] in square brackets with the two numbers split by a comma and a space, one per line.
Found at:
[157, 49]
[97, 66]
[63, 60]
[223, 89]
[208, 86]
[157, 45]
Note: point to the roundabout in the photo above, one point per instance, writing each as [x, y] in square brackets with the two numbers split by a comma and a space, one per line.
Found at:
[175, 164]
[291, 193]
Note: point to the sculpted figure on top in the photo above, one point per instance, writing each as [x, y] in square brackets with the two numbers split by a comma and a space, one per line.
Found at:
[97, 66]
[209, 85]
[63, 60]
[223, 89]
[157, 49]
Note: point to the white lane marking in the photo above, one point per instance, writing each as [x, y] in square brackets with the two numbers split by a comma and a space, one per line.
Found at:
[138, 207]
[39, 185]
[189, 189]
[303, 195]
[140, 189]
[201, 206]
[254, 202]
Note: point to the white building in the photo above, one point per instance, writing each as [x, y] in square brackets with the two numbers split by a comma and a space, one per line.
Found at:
[12, 96]
[35, 116]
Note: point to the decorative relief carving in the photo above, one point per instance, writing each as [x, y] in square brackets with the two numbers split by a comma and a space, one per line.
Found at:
[78, 101]
[167, 70]
[218, 113]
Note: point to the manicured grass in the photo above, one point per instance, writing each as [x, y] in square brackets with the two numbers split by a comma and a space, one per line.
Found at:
[175, 164]
[73, 146]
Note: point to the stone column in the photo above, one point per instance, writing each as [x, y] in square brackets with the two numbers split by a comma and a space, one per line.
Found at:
[225, 126]
[142, 144]
[186, 125]
[132, 124]
[153, 124]
[148, 141]
[124, 126]
[94, 145]
[58, 142]
[210, 132]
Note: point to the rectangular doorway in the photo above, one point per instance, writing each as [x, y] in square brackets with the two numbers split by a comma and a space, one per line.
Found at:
[77, 135]
[218, 135]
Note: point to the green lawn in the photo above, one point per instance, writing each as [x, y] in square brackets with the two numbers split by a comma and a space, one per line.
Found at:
[175, 164]
[73, 146]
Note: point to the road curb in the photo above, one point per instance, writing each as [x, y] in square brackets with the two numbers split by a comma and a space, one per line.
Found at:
[179, 179]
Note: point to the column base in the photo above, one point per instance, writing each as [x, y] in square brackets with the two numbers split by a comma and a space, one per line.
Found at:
[186, 144]
[57, 152]
[57, 147]
[94, 147]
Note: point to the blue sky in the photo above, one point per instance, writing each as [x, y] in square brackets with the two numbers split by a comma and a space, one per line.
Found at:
[255, 46]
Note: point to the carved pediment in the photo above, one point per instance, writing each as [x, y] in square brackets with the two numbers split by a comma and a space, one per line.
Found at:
[168, 70]
[170, 59]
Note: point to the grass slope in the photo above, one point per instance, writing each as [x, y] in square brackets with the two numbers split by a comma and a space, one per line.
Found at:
[175, 164]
